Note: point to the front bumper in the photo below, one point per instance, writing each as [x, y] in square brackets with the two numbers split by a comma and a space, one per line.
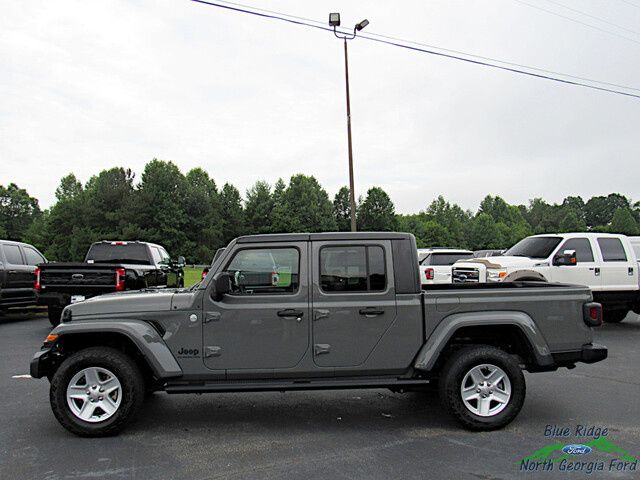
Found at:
[40, 363]
[590, 353]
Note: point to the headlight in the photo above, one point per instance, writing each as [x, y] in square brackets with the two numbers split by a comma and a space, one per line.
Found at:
[495, 275]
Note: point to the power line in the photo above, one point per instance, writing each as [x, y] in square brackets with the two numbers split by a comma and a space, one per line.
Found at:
[594, 17]
[424, 50]
[433, 47]
[577, 21]
[630, 3]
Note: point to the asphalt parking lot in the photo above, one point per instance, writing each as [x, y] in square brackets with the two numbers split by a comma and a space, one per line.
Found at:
[344, 434]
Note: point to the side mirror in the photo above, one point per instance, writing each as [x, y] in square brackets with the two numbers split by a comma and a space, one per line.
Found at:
[181, 261]
[221, 286]
[566, 258]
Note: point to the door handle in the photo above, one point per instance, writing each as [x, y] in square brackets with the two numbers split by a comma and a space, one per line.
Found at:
[12, 271]
[371, 312]
[290, 312]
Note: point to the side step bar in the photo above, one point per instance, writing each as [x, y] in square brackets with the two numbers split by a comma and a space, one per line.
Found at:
[284, 385]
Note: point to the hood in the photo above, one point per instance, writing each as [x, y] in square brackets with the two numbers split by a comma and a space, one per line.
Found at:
[125, 302]
[503, 262]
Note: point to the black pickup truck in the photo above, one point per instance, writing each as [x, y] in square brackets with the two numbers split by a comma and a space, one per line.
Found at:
[109, 266]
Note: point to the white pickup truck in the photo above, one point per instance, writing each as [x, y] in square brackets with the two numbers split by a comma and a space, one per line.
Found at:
[606, 263]
[435, 263]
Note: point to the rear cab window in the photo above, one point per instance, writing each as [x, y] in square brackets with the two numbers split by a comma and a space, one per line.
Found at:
[118, 252]
[612, 250]
[356, 268]
[445, 259]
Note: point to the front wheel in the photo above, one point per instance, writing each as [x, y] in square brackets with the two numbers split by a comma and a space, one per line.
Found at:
[482, 387]
[96, 391]
[614, 316]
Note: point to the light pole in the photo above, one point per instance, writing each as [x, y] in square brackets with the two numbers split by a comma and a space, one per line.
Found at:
[334, 21]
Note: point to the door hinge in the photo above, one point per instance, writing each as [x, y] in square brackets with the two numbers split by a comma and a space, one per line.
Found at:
[318, 314]
[212, 317]
[212, 351]
[321, 348]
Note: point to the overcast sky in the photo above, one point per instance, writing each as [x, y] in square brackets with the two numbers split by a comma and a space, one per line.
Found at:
[87, 85]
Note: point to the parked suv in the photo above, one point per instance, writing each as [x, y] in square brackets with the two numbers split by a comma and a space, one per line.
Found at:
[435, 263]
[606, 263]
[312, 312]
[17, 266]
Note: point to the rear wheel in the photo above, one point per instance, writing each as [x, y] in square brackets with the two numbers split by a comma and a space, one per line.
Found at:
[482, 387]
[55, 313]
[96, 391]
[614, 316]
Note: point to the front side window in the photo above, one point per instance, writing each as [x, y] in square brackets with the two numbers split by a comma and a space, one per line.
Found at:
[12, 254]
[258, 271]
[33, 257]
[612, 250]
[352, 269]
[155, 253]
[582, 248]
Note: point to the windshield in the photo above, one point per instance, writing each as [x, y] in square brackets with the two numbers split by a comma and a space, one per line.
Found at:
[445, 258]
[118, 253]
[534, 247]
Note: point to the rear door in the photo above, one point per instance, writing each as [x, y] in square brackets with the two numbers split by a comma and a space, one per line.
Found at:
[618, 267]
[263, 324]
[354, 301]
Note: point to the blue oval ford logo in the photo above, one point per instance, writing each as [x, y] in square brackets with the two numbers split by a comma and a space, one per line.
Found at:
[577, 449]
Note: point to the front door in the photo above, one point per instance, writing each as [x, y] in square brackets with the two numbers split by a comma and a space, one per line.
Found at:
[263, 324]
[585, 272]
[354, 301]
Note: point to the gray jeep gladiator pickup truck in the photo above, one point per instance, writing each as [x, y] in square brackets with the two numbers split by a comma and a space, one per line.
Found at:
[314, 311]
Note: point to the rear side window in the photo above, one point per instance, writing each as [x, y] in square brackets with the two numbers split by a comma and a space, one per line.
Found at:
[352, 269]
[584, 253]
[12, 254]
[32, 257]
[612, 250]
[260, 271]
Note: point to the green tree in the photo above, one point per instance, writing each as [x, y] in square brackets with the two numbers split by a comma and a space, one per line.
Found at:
[17, 211]
[304, 207]
[69, 188]
[157, 211]
[623, 222]
[485, 233]
[342, 209]
[453, 218]
[572, 223]
[202, 209]
[259, 208]
[599, 211]
[232, 213]
[377, 212]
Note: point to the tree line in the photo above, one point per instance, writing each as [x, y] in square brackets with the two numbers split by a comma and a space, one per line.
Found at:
[191, 216]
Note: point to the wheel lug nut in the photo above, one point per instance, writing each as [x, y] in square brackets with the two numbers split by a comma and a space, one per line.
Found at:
[101, 398]
[477, 390]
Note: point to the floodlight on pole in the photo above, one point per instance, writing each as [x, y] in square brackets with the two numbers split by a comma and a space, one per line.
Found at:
[334, 21]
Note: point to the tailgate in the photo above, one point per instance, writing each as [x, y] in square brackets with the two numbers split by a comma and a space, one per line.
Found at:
[68, 277]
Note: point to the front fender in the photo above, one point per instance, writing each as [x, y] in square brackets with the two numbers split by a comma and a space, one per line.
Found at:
[431, 350]
[144, 336]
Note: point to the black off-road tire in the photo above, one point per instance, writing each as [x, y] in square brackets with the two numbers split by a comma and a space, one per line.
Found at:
[614, 316]
[452, 375]
[122, 366]
[55, 314]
